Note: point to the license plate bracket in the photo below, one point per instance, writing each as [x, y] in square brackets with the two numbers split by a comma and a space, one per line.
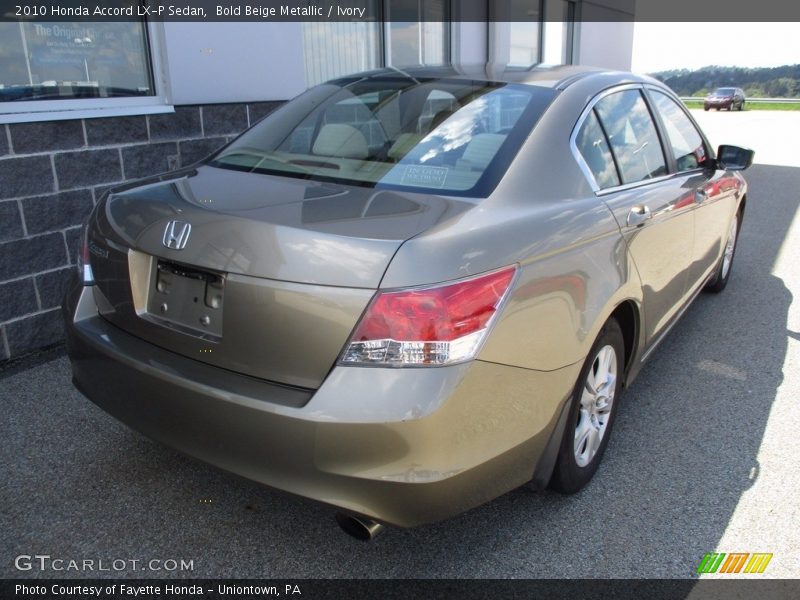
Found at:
[187, 299]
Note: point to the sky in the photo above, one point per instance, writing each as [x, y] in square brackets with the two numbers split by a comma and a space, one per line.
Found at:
[662, 46]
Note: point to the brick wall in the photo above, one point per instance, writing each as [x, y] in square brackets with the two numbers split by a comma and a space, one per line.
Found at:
[51, 175]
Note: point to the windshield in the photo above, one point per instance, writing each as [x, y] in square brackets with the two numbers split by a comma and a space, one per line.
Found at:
[393, 131]
[723, 92]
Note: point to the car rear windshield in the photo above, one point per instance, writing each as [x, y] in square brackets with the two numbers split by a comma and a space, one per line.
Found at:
[446, 136]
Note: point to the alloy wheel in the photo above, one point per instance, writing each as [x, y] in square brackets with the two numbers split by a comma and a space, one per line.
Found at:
[597, 400]
[730, 246]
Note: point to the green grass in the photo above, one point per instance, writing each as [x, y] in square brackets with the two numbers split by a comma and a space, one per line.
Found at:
[751, 105]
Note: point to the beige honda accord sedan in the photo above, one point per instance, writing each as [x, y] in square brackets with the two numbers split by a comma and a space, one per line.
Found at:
[407, 292]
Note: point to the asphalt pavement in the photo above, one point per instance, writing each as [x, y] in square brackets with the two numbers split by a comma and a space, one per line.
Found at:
[703, 458]
[772, 134]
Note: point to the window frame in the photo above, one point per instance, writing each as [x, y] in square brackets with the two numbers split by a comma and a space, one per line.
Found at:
[26, 111]
[666, 148]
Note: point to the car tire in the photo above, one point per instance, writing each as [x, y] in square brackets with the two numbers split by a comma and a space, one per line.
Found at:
[723, 272]
[591, 413]
[705, 108]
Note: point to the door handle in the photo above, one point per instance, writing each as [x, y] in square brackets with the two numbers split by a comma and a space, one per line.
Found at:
[700, 195]
[638, 216]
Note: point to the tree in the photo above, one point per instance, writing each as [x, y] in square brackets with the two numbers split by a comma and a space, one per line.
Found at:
[779, 82]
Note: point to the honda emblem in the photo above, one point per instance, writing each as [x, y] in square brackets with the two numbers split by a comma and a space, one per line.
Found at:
[176, 235]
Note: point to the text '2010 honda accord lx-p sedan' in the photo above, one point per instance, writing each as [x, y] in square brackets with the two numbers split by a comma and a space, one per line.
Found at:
[405, 293]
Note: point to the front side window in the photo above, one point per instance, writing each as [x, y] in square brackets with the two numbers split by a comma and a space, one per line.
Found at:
[687, 143]
[55, 61]
[632, 136]
[437, 135]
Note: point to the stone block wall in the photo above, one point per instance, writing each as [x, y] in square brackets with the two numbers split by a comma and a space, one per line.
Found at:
[51, 175]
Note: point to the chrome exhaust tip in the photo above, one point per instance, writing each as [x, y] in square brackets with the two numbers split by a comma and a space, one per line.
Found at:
[360, 528]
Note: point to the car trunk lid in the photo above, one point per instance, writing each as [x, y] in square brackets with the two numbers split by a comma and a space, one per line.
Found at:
[264, 275]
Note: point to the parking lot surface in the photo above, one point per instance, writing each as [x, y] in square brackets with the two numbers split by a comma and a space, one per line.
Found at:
[703, 458]
[772, 134]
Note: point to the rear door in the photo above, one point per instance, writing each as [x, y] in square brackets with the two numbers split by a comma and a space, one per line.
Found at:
[620, 145]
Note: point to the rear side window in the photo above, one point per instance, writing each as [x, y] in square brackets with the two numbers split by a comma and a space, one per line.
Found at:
[591, 143]
[632, 136]
[686, 142]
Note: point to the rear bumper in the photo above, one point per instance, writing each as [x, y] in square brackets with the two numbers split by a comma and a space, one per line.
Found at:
[402, 446]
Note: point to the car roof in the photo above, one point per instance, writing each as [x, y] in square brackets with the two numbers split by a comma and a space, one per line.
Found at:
[552, 76]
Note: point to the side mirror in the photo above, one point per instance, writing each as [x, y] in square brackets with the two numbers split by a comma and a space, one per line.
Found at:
[734, 158]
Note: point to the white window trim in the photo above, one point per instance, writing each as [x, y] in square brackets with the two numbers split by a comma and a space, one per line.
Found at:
[87, 108]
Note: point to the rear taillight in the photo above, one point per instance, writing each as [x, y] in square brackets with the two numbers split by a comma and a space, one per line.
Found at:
[430, 326]
[84, 265]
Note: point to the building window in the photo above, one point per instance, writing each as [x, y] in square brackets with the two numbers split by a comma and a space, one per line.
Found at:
[558, 31]
[540, 32]
[417, 33]
[60, 61]
[332, 50]
[524, 43]
[412, 33]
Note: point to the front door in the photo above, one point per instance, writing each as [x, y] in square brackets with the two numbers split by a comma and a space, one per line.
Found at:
[713, 192]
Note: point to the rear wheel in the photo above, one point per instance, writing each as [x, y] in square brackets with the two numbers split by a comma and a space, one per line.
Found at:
[593, 408]
[723, 273]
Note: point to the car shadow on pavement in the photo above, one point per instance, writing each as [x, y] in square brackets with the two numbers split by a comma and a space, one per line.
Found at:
[683, 452]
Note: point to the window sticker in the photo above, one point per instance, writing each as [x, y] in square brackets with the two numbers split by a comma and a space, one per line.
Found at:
[425, 176]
